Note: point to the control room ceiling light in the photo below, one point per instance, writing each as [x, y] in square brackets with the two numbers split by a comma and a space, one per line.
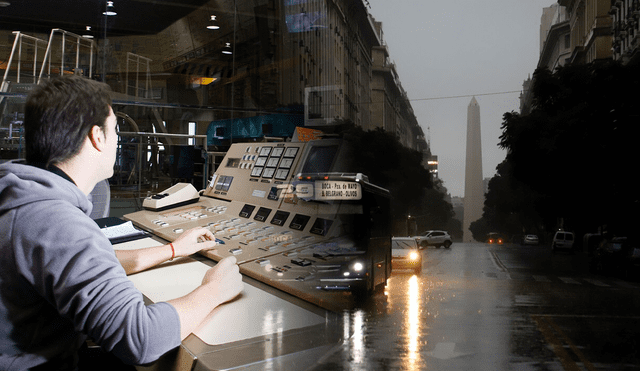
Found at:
[227, 49]
[110, 9]
[213, 24]
[87, 33]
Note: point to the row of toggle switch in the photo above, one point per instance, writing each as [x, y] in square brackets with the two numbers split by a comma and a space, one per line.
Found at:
[192, 215]
[246, 165]
[250, 233]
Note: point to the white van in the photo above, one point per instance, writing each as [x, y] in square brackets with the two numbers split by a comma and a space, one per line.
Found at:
[562, 240]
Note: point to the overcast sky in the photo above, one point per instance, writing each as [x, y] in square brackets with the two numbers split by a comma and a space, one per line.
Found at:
[461, 48]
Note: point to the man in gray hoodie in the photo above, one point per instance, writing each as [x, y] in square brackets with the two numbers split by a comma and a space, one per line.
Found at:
[60, 279]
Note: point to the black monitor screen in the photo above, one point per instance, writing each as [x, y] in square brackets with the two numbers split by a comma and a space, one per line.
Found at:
[280, 217]
[320, 159]
[246, 211]
[262, 214]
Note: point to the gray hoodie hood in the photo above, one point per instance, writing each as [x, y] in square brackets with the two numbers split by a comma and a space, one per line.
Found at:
[21, 184]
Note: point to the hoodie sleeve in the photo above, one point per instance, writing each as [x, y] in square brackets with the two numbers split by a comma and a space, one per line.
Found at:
[67, 259]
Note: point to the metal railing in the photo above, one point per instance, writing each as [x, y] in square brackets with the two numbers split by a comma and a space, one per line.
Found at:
[17, 47]
[138, 61]
[80, 43]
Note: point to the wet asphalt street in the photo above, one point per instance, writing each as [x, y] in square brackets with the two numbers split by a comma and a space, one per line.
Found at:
[487, 307]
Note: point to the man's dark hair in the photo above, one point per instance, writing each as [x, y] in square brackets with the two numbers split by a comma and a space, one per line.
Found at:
[59, 115]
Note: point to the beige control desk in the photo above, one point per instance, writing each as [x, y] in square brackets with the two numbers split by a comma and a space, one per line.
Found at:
[262, 329]
[286, 229]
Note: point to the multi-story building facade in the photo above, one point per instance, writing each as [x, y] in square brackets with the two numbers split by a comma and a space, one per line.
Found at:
[555, 47]
[625, 30]
[590, 28]
[555, 37]
[572, 31]
[391, 108]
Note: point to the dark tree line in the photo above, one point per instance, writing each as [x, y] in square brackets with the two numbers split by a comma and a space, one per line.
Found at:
[388, 164]
[572, 162]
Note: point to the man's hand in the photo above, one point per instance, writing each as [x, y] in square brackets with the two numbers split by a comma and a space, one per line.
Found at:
[224, 280]
[194, 240]
[219, 285]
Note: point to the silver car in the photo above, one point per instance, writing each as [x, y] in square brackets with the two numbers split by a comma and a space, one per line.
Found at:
[530, 239]
[434, 238]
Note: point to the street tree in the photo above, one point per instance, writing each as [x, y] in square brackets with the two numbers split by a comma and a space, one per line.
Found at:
[389, 164]
[571, 161]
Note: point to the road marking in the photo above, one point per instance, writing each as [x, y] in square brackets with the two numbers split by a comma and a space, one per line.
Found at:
[554, 335]
[541, 278]
[445, 351]
[527, 300]
[569, 280]
[596, 282]
[497, 262]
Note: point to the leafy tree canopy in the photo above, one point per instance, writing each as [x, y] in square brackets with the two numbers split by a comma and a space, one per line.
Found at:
[389, 164]
[572, 159]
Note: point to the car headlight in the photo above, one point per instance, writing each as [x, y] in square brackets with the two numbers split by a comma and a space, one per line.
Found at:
[413, 255]
[358, 267]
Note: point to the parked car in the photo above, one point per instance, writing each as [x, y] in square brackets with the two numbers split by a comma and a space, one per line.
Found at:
[405, 254]
[434, 238]
[618, 255]
[530, 239]
[562, 240]
[495, 238]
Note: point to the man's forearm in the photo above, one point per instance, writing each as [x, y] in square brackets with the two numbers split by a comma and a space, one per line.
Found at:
[134, 261]
[193, 308]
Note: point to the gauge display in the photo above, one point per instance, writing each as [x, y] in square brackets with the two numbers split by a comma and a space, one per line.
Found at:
[286, 163]
[282, 174]
[273, 162]
[274, 193]
[277, 152]
[264, 151]
[261, 161]
[291, 152]
[233, 162]
[257, 170]
[268, 172]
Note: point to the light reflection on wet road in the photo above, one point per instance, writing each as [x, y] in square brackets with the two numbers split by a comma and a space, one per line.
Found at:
[478, 307]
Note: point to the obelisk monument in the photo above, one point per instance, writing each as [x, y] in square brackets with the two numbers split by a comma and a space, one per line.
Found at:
[473, 185]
